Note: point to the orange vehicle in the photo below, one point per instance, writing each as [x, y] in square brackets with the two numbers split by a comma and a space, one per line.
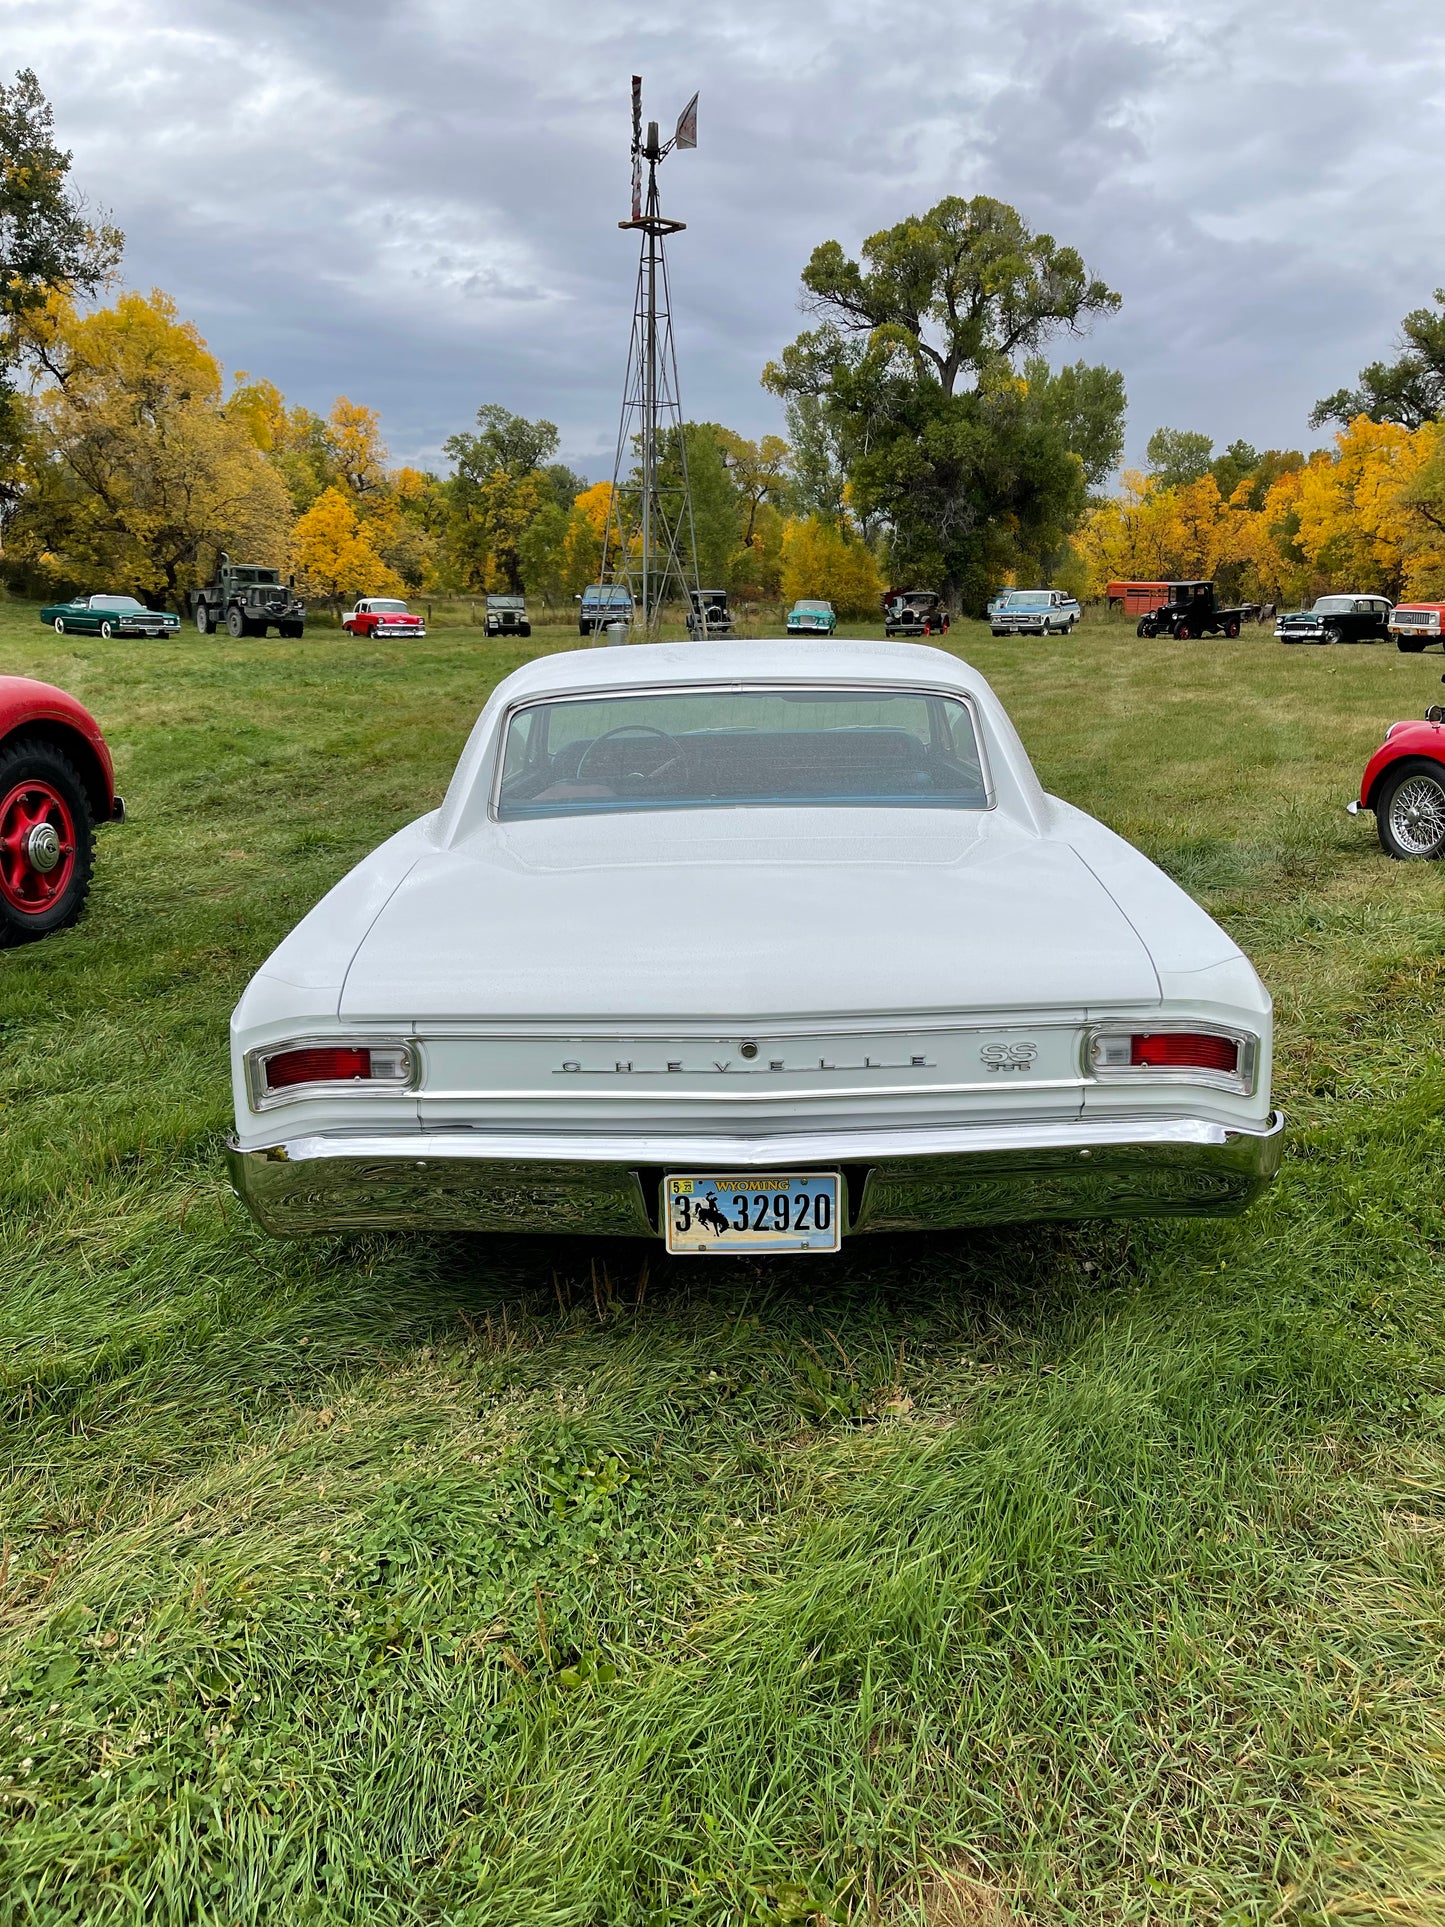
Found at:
[1137, 598]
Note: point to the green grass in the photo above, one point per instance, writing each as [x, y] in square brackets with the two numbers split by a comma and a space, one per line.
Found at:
[1082, 1574]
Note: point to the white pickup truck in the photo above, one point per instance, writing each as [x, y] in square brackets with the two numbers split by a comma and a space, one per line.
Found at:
[1034, 612]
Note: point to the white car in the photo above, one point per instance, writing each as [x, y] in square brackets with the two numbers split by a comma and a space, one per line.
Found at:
[1033, 612]
[713, 943]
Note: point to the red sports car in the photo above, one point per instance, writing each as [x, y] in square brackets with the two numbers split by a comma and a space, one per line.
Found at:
[1404, 784]
[56, 784]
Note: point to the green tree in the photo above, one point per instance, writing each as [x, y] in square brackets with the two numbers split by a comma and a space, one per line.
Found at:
[1177, 456]
[917, 366]
[502, 477]
[1237, 464]
[50, 244]
[818, 471]
[1409, 390]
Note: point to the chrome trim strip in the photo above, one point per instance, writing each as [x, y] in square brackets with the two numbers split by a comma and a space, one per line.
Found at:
[917, 1178]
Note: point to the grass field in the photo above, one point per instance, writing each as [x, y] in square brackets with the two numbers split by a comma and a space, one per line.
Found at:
[1068, 1574]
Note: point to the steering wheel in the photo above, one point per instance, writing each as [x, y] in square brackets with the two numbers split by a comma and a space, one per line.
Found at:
[679, 751]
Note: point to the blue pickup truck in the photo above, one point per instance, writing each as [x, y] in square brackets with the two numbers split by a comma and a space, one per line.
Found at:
[601, 603]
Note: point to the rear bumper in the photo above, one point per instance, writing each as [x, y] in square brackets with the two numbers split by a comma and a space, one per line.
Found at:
[896, 1180]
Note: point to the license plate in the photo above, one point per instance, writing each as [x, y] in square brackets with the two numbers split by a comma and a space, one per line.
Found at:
[734, 1211]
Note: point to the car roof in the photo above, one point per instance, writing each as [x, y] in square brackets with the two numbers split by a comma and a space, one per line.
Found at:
[573, 671]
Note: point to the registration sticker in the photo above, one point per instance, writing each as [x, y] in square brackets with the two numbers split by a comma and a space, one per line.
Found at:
[739, 1211]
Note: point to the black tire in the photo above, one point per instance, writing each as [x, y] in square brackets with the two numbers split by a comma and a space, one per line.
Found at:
[583, 628]
[236, 625]
[106, 631]
[1147, 627]
[1231, 629]
[205, 621]
[1407, 645]
[1332, 633]
[291, 630]
[524, 629]
[22, 759]
[1183, 632]
[1410, 811]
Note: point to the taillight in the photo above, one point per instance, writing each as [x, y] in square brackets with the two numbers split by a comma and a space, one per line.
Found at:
[379, 1066]
[1225, 1059]
[324, 1064]
[1185, 1050]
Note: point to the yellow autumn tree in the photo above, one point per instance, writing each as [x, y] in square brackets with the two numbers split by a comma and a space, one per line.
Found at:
[585, 535]
[335, 557]
[137, 474]
[823, 562]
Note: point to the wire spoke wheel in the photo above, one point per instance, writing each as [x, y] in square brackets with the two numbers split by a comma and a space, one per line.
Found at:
[1416, 815]
[37, 846]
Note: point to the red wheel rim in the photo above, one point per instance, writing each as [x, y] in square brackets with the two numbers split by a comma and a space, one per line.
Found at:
[26, 884]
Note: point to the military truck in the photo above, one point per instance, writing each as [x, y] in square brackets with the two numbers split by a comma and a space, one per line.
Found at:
[249, 600]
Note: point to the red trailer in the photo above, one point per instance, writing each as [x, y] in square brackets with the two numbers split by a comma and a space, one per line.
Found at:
[1137, 598]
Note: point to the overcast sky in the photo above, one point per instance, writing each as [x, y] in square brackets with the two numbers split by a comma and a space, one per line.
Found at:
[414, 202]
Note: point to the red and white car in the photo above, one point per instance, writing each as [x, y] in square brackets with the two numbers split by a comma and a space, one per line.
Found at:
[56, 784]
[383, 616]
[1414, 624]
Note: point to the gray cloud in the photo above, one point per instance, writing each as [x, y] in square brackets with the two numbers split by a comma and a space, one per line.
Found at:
[416, 204]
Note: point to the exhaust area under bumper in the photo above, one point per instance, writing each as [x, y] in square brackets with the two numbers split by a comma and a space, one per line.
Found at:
[894, 1179]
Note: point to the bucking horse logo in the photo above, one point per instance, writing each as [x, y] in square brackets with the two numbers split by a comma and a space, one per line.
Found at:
[711, 1215]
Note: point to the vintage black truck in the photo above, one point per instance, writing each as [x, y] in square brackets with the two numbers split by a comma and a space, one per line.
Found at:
[1192, 611]
[249, 600]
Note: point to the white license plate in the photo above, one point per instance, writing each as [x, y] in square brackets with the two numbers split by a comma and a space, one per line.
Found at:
[734, 1211]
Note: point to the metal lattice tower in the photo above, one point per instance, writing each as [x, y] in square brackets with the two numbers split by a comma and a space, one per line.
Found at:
[650, 544]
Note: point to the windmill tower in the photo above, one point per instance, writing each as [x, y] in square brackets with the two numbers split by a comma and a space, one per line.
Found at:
[650, 544]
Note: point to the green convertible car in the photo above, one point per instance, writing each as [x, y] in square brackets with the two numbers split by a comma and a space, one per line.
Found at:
[107, 616]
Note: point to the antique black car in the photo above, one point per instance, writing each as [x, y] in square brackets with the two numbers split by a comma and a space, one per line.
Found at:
[1193, 611]
[1338, 618]
[709, 614]
[914, 612]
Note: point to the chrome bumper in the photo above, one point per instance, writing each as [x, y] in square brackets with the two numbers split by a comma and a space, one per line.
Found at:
[895, 1180]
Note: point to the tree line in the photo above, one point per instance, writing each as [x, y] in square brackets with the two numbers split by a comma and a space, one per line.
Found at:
[1367, 513]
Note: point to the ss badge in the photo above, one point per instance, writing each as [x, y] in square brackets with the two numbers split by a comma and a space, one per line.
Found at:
[1009, 1057]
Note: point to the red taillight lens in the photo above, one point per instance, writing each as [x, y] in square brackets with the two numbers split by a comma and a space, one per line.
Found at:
[1185, 1050]
[321, 1064]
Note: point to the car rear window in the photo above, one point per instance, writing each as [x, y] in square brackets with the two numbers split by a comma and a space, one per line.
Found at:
[725, 747]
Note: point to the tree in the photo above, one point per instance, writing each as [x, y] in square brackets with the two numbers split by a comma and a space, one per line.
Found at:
[819, 559]
[586, 532]
[818, 473]
[915, 367]
[1237, 464]
[500, 481]
[138, 476]
[334, 556]
[49, 245]
[759, 472]
[1409, 391]
[1177, 455]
